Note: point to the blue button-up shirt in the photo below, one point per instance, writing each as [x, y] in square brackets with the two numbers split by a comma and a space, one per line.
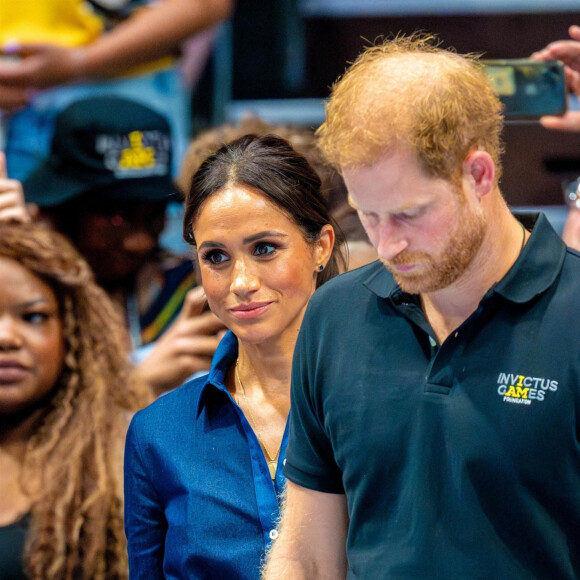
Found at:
[199, 500]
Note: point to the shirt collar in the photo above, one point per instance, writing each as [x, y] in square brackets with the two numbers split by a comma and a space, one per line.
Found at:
[532, 273]
[225, 355]
[380, 281]
[539, 263]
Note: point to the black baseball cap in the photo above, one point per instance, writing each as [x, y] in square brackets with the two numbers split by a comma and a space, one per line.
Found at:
[107, 146]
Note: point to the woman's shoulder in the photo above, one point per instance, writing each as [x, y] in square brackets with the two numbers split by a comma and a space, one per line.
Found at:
[164, 423]
[173, 402]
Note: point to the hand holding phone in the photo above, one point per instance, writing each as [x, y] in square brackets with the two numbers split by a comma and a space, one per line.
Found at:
[567, 51]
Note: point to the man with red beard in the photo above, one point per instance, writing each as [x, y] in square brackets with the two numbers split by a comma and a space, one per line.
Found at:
[436, 392]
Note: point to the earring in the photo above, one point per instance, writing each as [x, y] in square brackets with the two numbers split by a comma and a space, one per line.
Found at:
[320, 267]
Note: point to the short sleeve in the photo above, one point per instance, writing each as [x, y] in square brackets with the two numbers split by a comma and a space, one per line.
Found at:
[310, 457]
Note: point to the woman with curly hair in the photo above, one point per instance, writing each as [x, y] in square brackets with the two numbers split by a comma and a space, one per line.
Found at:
[65, 402]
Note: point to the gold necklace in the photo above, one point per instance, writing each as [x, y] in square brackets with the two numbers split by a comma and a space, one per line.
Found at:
[524, 238]
[272, 461]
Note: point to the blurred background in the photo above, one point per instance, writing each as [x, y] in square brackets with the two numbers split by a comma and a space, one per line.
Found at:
[278, 58]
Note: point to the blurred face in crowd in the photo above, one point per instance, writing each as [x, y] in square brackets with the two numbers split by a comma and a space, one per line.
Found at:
[31, 339]
[115, 237]
[257, 268]
[426, 230]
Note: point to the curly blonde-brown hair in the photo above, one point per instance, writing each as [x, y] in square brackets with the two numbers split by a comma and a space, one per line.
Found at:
[72, 463]
[408, 91]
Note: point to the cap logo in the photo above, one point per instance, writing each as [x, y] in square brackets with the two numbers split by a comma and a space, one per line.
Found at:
[138, 154]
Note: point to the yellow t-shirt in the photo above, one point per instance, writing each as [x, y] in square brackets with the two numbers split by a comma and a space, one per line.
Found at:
[63, 22]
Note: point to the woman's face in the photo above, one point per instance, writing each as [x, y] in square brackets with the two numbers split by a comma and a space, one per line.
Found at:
[31, 339]
[257, 269]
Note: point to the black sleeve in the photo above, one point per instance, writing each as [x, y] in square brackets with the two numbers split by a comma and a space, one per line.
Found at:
[310, 456]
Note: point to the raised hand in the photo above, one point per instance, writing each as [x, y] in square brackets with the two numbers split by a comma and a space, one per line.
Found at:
[568, 51]
[185, 348]
[12, 204]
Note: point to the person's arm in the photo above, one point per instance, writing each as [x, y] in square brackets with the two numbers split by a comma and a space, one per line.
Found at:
[149, 33]
[311, 544]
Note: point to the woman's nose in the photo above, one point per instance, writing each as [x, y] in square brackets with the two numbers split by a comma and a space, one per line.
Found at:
[244, 277]
[10, 338]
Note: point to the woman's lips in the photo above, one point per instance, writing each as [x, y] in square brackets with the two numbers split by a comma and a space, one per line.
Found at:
[252, 310]
[12, 372]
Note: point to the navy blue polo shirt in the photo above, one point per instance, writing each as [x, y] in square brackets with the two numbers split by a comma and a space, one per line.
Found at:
[461, 459]
[199, 500]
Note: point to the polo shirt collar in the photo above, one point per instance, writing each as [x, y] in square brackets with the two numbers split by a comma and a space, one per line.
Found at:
[537, 266]
[225, 355]
[532, 273]
[381, 282]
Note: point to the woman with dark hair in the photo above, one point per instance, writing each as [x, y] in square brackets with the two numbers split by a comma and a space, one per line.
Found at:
[203, 464]
[65, 404]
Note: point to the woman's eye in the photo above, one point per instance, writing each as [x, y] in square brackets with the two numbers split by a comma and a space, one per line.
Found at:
[264, 249]
[36, 317]
[215, 257]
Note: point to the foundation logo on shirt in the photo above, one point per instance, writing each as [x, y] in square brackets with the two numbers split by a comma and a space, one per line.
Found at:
[137, 154]
[524, 390]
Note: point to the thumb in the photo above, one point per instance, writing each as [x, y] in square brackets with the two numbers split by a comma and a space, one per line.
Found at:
[3, 170]
[574, 32]
[194, 303]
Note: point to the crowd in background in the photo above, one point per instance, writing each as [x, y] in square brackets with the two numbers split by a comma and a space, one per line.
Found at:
[98, 320]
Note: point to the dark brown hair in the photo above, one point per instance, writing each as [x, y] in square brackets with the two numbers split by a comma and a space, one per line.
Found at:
[269, 164]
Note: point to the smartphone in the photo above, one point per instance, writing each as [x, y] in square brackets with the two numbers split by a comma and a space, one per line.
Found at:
[528, 88]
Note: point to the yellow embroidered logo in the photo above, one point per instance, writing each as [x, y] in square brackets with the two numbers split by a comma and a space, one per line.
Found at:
[137, 156]
[521, 389]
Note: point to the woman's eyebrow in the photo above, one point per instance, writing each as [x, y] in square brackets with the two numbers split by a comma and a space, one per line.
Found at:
[33, 302]
[246, 240]
[264, 234]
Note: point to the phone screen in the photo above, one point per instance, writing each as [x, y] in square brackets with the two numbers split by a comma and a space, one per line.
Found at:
[528, 88]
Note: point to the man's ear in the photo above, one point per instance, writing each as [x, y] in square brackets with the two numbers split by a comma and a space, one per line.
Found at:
[479, 170]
